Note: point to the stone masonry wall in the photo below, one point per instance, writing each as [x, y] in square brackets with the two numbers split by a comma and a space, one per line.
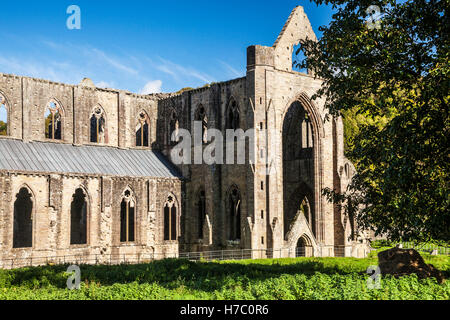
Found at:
[52, 197]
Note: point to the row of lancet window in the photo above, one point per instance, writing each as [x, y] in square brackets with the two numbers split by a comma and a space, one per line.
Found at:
[232, 119]
[24, 207]
[54, 123]
[233, 213]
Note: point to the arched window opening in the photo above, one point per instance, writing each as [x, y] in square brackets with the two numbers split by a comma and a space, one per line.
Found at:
[232, 116]
[174, 125]
[142, 130]
[170, 220]
[127, 213]
[3, 116]
[53, 121]
[234, 213]
[23, 220]
[98, 126]
[201, 211]
[200, 116]
[78, 218]
[299, 60]
[298, 166]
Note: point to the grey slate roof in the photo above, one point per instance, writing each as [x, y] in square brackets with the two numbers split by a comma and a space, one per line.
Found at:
[47, 157]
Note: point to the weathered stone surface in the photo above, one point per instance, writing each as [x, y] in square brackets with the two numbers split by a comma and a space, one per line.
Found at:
[399, 262]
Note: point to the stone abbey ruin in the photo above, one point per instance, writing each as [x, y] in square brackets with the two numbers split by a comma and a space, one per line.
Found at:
[87, 171]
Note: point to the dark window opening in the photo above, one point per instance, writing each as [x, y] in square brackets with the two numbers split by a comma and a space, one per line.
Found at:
[23, 220]
[127, 212]
[173, 225]
[232, 117]
[201, 207]
[98, 124]
[201, 116]
[234, 203]
[170, 220]
[78, 218]
[142, 131]
[166, 222]
[173, 129]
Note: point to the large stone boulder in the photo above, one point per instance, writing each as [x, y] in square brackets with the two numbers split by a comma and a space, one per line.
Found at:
[399, 262]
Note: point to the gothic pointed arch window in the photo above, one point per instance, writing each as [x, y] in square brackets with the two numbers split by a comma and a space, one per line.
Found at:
[53, 121]
[170, 220]
[234, 214]
[143, 130]
[4, 116]
[98, 125]
[79, 217]
[200, 116]
[127, 216]
[201, 212]
[299, 179]
[232, 116]
[174, 125]
[23, 219]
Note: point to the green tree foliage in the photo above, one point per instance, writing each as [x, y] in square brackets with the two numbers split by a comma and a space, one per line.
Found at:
[392, 86]
[184, 90]
[353, 120]
[48, 119]
[3, 119]
[3, 128]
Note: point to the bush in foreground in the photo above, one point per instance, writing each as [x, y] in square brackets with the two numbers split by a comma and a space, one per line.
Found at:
[302, 278]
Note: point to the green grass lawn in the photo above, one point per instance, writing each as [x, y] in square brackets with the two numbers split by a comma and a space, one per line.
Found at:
[302, 278]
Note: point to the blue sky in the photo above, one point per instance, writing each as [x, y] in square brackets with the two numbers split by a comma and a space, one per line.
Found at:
[141, 46]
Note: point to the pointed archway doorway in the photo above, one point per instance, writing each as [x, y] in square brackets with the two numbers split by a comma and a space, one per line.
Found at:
[304, 247]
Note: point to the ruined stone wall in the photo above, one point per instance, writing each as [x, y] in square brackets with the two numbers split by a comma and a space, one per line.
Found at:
[215, 180]
[273, 87]
[52, 197]
[264, 96]
[28, 99]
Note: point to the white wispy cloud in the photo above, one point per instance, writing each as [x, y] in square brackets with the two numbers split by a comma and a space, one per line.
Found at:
[71, 62]
[114, 62]
[232, 71]
[60, 72]
[152, 87]
[94, 55]
[179, 72]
